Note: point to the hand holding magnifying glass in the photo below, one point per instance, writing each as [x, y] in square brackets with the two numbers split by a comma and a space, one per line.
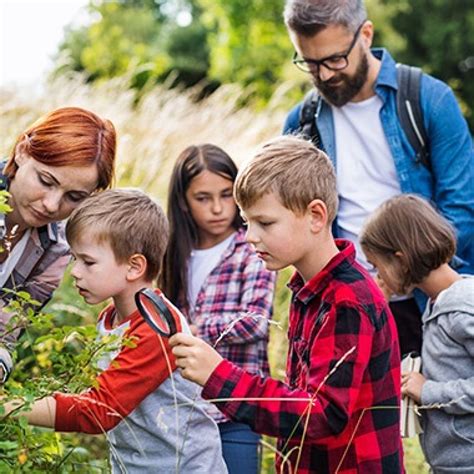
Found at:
[196, 359]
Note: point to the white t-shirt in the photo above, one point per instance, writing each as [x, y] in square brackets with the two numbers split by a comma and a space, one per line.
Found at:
[201, 264]
[366, 174]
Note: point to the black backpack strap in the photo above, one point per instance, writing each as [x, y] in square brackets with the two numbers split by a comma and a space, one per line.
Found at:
[309, 113]
[410, 112]
[43, 233]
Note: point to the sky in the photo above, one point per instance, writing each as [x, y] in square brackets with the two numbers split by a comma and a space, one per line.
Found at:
[30, 32]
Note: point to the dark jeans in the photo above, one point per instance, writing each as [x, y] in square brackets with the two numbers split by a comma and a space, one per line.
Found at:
[240, 447]
[408, 319]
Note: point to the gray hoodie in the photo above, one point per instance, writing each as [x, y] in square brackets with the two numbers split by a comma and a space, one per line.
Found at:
[448, 364]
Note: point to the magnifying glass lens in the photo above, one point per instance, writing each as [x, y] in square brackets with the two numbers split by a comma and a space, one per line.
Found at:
[155, 317]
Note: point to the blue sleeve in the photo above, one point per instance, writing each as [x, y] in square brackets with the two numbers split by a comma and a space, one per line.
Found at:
[292, 122]
[452, 160]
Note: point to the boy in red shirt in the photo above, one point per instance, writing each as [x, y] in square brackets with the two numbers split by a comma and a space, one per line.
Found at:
[338, 410]
[154, 419]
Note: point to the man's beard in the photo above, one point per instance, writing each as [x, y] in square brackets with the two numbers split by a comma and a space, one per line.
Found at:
[351, 85]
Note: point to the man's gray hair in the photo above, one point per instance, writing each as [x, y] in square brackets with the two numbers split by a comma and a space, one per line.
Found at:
[309, 17]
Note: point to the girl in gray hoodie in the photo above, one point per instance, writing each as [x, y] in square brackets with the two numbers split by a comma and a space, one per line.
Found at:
[411, 245]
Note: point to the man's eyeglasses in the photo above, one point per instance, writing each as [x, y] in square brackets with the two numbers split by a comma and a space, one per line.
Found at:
[337, 62]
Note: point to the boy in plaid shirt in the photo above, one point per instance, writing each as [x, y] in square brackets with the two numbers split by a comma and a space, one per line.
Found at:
[338, 408]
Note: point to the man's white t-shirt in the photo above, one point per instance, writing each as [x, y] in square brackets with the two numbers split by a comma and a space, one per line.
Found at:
[201, 264]
[366, 174]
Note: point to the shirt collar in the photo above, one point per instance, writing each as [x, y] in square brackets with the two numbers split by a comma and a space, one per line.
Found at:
[306, 291]
[387, 76]
[239, 239]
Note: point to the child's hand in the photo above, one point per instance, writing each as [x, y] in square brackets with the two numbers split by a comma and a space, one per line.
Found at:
[196, 359]
[194, 329]
[412, 384]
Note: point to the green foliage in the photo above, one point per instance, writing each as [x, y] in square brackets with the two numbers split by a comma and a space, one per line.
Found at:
[414, 460]
[248, 41]
[382, 15]
[54, 358]
[138, 40]
[245, 42]
[439, 37]
[190, 63]
[4, 207]
[120, 39]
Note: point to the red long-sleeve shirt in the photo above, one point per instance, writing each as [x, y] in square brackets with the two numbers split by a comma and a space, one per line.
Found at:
[137, 371]
[153, 417]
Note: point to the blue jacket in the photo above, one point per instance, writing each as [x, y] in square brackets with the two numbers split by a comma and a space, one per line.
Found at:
[450, 184]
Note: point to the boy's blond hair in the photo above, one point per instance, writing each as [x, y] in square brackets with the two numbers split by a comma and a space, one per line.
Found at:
[292, 168]
[127, 219]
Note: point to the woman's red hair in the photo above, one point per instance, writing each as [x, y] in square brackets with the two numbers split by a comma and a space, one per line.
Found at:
[69, 136]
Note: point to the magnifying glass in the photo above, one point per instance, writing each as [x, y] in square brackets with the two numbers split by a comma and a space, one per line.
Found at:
[155, 312]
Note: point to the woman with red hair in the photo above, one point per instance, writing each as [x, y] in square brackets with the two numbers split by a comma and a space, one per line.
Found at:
[54, 165]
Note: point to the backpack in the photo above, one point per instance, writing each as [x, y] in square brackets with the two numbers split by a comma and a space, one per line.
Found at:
[409, 112]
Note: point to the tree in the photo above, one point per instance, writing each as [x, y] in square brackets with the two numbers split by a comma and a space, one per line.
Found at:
[248, 42]
[250, 45]
[440, 39]
[139, 38]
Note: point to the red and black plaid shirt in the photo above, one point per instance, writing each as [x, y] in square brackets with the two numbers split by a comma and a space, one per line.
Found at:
[338, 411]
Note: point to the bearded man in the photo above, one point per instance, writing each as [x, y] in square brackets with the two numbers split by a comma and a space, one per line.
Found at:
[360, 130]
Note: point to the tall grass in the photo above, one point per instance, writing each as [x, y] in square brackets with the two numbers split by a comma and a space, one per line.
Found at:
[152, 132]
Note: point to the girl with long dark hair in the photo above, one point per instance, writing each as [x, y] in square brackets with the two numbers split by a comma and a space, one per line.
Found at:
[216, 278]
